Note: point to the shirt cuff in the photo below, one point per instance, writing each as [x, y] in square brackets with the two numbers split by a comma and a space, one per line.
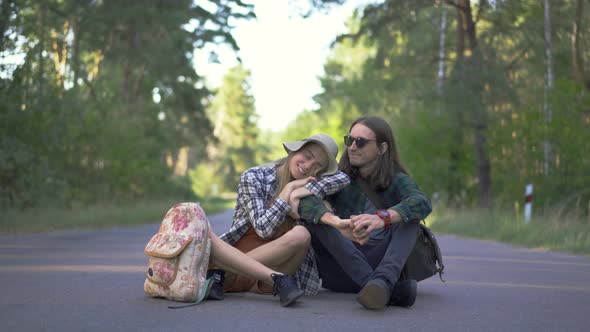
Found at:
[320, 214]
[315, 189]
[282, 205]
[402, 210]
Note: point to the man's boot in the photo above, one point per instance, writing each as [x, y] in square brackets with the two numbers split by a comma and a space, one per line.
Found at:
[375, 294]
[404, 293]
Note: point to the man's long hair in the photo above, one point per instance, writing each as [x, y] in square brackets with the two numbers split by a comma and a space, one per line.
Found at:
[389, 162]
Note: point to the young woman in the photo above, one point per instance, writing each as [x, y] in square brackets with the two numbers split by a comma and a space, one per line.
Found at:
[265, 220]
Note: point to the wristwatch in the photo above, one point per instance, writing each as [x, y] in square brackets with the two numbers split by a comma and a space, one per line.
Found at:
[384, 214]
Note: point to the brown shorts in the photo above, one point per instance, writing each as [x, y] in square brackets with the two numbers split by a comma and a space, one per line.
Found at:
[237, 283]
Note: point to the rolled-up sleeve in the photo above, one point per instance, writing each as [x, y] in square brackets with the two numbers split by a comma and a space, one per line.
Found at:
[311, 209]
[328, 184]
[414, 204]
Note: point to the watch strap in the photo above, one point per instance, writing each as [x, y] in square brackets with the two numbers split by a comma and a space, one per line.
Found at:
[386, 217]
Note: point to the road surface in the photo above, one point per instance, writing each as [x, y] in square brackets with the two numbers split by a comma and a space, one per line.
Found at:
[93, 281]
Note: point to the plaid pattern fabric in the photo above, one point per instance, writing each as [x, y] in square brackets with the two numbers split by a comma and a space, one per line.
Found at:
[403, 196]
[257, 187]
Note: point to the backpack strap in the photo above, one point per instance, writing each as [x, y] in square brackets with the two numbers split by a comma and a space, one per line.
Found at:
[371, 194]
[208, 284]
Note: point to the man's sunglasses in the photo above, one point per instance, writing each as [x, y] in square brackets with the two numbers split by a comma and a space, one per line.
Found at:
[359, 141]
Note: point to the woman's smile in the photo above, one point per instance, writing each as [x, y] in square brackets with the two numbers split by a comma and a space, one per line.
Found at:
[300, 169]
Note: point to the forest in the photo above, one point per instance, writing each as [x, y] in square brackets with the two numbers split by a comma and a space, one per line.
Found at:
[100, 100]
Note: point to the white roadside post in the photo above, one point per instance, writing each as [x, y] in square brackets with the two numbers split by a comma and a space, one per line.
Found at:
[528, 203]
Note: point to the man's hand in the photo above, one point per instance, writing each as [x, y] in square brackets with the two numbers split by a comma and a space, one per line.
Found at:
[344, 226]
[364, 224]
[348, 233]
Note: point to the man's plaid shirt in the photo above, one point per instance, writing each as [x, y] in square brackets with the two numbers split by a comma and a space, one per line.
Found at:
[257, 187]
[403, 196]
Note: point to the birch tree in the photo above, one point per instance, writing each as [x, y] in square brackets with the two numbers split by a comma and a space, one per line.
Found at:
[547, 110]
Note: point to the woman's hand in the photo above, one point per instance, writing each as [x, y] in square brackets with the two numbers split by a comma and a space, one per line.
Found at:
[296, 184]
[294, 203]
[296, 196]
[300, 192]
[293, 185]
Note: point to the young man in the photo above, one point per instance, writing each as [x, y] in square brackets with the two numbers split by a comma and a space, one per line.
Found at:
[362, 244]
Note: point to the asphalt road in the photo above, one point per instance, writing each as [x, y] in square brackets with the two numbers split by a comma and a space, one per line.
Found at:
[93, 281]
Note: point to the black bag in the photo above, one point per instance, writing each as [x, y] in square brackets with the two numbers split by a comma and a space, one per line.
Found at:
[425, 260]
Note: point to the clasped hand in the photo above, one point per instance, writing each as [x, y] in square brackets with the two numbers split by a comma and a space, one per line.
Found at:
[359, 227]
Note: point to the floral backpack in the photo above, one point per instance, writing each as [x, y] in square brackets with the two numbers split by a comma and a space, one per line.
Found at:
[179, 256]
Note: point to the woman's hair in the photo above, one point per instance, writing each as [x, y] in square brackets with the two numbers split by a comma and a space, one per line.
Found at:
[388, 162]
[283, 173]
[284, 177]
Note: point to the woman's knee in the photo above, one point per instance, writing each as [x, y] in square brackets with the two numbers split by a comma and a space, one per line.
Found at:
[298, 237]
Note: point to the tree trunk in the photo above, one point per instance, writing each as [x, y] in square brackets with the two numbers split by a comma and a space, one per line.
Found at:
[77, 32]
[440, 83]
[474, 65]
[40, 48]
[578, 69]
[60, 54]
[5, 13]
[547, 110]
[460, 34]
[455, 179]
[441, 50]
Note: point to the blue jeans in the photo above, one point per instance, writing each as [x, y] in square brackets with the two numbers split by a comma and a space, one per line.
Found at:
[346, 266]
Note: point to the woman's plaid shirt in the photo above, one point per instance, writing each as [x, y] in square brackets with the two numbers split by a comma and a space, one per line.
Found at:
[257, 187]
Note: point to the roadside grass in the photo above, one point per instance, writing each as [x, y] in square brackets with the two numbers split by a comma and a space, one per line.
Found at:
[568, 233]
[99, 216]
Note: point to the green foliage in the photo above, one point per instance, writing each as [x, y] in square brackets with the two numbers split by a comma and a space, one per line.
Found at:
[205, 180]
[105, 94]
[236, 133]
[491, 98]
